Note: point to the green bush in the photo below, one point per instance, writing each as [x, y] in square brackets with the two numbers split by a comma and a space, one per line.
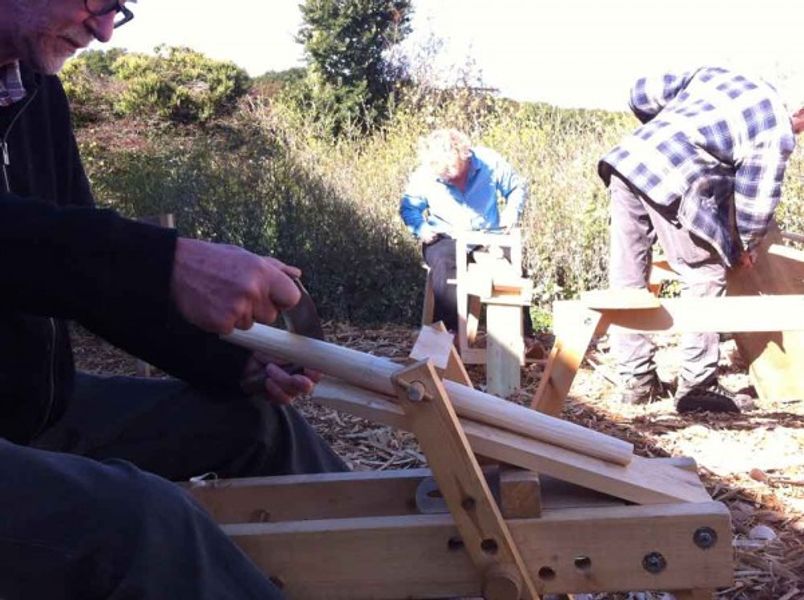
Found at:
[275, 182]
[87, 81]
[178, 84]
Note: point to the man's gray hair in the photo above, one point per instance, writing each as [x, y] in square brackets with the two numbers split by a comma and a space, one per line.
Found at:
[442, 149]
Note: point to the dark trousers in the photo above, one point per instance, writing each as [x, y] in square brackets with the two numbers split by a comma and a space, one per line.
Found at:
[440, 257]
[88, 511]
[636, 223]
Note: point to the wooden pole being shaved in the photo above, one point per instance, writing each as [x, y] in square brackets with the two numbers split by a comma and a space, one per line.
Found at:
[374, 373]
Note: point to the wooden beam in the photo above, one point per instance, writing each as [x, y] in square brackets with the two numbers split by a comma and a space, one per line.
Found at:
[729, 314]
[343, 495]
[574, 326]
[580, 550]
[485, 535]
[374, 373]
[619, 299]
[505, 349]
[643, 481]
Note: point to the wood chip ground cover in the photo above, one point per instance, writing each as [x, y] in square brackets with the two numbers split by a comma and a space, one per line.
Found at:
[754, 462]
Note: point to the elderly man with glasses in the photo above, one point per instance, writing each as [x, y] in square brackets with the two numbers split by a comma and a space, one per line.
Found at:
[87, 508]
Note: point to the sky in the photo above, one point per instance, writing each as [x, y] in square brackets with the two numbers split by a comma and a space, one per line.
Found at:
[579, 53]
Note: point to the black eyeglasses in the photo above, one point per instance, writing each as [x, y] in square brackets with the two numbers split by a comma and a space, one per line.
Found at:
[98, 8]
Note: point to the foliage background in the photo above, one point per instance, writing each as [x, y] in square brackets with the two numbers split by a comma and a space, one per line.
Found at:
[243, 164]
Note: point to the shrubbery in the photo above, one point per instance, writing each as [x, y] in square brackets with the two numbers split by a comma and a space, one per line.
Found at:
[177, 84]
[272, 180]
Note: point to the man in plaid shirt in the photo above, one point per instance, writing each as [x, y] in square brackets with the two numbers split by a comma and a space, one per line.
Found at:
[702, 175]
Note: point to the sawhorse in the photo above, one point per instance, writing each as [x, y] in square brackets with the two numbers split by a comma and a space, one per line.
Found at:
[576, 322]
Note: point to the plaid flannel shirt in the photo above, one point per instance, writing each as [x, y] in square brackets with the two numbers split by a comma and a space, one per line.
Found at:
[11, 89]
[713, 146]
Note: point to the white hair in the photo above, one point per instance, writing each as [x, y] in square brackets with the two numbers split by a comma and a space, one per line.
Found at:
[443, 150]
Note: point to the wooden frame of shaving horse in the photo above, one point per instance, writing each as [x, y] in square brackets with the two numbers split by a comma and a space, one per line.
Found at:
[579, 513]
[764, 309]
[495, 280]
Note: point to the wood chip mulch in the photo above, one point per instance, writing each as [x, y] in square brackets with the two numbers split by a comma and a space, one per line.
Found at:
[754, 462]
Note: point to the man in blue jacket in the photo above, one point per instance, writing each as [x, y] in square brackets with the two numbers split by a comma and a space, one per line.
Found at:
[702, 175]
[87, 508]
[455, 188]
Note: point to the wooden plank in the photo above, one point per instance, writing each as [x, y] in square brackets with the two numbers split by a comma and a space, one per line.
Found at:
[729, 314]
[374, 373]
[462, 295]
[619, 299]
[343, 495]
[485, 534]
[473, 319]
[775, 358]
[428, 303]
[649, 482]
[505, 349]
[642, 481]
[422, 557]
[574, 325]
[320, 496]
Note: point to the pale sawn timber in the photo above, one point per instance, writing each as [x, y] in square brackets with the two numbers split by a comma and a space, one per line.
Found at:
[374, 373]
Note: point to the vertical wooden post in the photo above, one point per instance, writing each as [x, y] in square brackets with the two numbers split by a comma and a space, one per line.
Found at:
[504, 347]
[428, 304]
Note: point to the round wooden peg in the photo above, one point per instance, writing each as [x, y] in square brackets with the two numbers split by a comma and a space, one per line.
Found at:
[502, 582]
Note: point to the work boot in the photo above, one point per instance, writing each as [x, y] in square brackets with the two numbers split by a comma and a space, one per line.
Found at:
[710, 396]
[642, 389]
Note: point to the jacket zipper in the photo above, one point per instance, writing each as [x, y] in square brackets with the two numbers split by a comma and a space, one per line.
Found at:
[4, 143]
[53, 330]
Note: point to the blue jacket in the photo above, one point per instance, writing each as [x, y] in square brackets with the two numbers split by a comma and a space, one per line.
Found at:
[431, 205]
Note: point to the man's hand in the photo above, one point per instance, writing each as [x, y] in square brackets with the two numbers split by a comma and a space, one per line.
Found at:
[263, 375]
[219, 287]
[428, 237]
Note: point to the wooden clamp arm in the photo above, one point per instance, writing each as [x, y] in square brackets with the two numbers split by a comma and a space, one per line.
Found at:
[484, 533]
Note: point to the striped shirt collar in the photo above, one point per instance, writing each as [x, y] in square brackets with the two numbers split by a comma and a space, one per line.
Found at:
[11, 88]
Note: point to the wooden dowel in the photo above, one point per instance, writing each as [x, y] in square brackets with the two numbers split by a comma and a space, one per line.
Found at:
[374, 373]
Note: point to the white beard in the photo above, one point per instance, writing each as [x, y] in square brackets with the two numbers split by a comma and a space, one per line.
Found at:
[38, 39]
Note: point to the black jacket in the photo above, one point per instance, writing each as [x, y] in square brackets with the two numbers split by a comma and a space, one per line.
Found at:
[61, 258]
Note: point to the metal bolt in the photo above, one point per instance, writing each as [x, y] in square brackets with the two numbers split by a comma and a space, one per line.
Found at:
[654, 563]
[416, 391]
[705, 537]
[262, 516]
